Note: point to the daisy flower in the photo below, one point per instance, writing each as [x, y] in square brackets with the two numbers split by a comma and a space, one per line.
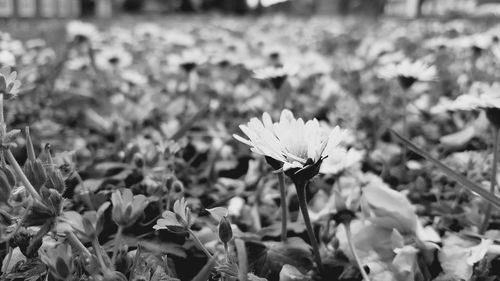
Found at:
[9, 86]
[408, 72]
[81, 31]
[275, 74]
[113, 58]
[295, 144]
[340, 159]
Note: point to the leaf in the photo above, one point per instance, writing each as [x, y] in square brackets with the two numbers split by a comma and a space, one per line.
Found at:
[274, 230]
[266, 259]
[474, 188]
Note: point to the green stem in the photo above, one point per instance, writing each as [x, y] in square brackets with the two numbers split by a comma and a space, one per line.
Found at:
[75, 242]
[226, 252]
[2, 118]
[284, 209]
[489, 207]
[301, 194]
[13, 162]
[116, 243]
[406, 133]
[199, 244]
[353, 250]
[98, 254]
[242, 259]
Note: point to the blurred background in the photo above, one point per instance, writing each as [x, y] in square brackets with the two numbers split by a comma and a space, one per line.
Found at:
[10, 9]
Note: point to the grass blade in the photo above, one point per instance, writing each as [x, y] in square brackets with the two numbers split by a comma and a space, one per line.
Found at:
[473, 187]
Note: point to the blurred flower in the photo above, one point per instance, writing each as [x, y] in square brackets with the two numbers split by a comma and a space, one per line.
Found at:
[113, 58]
[7, 58]
[340, 159]
[9, 86]
[276, 75]
[58, 257]
[80, 31]
[179, 218]
[408, 72]
[127, 208]
[296, 144]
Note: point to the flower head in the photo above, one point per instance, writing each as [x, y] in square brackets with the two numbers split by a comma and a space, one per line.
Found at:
[179, 218]
[295, 144]
[9, 86]
[277, 75]
[408, 72]
[113, 58]
[80, 31]
[127, 208]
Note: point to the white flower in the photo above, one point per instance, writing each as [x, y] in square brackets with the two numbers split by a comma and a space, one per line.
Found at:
[408, 72]
[82, 30]
[291, 141]
[272, 72]
[340, 159]
[113, 58]
[480, 96]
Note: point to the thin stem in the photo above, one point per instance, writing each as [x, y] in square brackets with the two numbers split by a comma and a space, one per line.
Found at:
[98, 253]
[301, 194]
[284, 209]
[117, 241]
[226, 252]
[489, 207]
[75, 242]
[353, 250]
[242, 259]
[2, 117]
[199, 244]
[406, 133]
[12, 160]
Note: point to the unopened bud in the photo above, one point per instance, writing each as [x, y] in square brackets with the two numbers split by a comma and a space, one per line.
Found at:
[225, 230]
[35, 173]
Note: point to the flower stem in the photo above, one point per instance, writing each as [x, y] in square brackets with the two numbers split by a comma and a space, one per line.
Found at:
[98, 253]
[284, 209]
[489, 207]
[406, 132]
[19, 171]
[301, 194]
[118, 238]
[199, 244]
[226, 252]
[75, 242]
[353, 250]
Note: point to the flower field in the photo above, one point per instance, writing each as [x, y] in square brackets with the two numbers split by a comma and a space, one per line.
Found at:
[271, 148]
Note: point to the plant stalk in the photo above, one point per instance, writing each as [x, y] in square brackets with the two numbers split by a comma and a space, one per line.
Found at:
[301, 194]
[199, 244]
[489, 207]
[19, 171]
[284, 209]
[116, 243]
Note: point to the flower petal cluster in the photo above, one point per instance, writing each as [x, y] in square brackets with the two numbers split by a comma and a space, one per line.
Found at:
[127, 208]
[408, 72]
[9, 85]
[291, 141]
[179, 218]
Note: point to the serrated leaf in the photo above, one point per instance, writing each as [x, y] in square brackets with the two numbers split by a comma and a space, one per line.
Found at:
[469, 185]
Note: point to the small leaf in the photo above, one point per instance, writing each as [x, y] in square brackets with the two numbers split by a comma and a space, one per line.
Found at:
[474, 188]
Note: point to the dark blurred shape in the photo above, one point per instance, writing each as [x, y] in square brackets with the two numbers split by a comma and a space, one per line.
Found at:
[87, 8]
[133, 6]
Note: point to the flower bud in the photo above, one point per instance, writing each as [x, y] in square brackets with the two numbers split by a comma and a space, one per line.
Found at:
[225, 230]
[55, 181]
[35, 173]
